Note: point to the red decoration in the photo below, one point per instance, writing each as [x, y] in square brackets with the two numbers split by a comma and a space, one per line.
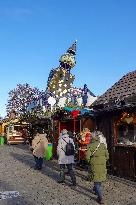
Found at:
[75, 113]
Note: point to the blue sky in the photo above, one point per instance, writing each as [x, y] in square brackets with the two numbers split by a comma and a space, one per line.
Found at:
[34, 34]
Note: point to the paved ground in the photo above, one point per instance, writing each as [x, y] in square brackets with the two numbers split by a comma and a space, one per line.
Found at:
[41, 188]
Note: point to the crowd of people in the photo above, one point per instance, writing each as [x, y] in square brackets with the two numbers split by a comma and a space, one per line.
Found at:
[95, 153]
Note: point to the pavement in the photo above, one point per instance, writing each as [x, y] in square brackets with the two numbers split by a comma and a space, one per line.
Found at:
[20, 184]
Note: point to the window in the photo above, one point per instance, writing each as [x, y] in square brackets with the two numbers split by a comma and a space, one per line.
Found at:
[126, 134]
[10, 129]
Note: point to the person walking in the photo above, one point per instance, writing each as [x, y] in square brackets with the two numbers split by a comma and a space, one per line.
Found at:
[39, 147]
[65, 152]
[97, 155]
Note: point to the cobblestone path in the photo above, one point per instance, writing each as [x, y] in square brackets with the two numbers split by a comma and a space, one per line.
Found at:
[41, 187]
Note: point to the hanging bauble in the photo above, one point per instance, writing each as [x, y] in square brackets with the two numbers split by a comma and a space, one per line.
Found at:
[51, 101]
[79, 101]
[62, 102]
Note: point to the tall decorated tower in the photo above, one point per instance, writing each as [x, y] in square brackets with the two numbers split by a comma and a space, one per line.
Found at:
[60, 79]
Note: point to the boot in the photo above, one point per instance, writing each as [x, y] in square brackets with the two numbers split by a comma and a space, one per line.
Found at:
[100, 201]
[74, 183]
[62, 177]
[73, 177]
[94, 191]
[60, 181]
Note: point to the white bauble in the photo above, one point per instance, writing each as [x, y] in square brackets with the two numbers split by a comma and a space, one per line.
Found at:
[79, 101]
[51, 101]
[62, 102]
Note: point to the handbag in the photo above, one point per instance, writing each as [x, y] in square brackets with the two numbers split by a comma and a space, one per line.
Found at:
[32, 149]
[95, 149]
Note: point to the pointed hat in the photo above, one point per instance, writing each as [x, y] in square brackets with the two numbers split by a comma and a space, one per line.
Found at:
[72, 49]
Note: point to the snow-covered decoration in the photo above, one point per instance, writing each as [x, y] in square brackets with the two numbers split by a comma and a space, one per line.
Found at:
[87, 94]
[60, 91]
[62, 102]
[76, 91]
[82, 96]
[90, 99]
[60, 83]
[79, 101]
[60, 79]
[44, 108]
[67, 60]
[74, 97]
[74, 94]
[51, 101]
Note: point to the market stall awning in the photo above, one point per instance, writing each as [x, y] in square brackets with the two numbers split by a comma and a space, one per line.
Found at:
[83, 111]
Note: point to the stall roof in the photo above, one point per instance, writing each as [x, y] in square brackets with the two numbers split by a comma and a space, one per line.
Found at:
[122, 90]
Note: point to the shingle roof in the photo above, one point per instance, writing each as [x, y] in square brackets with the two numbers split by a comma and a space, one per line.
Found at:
[124, 88]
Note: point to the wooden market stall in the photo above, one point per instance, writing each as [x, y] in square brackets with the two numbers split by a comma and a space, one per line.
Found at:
[65, 120]
[1, 128]
[15, 132]
[117, 121]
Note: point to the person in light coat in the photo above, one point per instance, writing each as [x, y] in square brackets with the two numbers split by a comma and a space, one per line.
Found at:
[63, 160]
[39, 146]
